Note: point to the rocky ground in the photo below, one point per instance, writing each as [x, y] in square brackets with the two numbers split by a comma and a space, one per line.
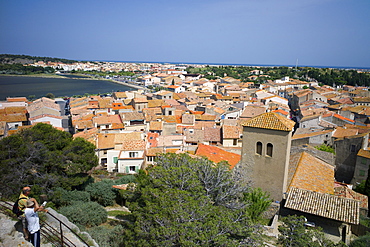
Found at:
[11, 231]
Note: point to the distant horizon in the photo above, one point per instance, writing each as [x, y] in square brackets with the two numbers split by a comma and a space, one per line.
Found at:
[201, 63]
[235, 64]
[319, 33]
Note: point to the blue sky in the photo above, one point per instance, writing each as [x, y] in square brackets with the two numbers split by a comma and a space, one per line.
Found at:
[278, 32]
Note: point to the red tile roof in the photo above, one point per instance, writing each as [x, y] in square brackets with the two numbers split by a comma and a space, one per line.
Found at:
[313, 174]
[217, 155]
[270, 120]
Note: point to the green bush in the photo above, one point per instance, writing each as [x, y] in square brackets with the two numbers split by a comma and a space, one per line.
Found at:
[125, 179]
[362, 241]
[107, 237]
[102, 192]
[325, 148]
[258, 201]
[85, 213]
[63, 197]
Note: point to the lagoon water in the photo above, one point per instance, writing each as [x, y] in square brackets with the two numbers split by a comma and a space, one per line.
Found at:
[20, 86]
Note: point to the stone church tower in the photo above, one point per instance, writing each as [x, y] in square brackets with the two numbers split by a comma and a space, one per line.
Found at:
[266, 152]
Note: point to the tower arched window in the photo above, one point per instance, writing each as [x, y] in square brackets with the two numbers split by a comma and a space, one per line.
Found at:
[269, 149]
[259, 148]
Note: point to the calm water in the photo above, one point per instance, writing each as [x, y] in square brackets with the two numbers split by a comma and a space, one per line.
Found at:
[19, 86]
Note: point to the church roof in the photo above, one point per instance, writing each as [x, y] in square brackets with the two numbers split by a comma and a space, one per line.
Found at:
[270, 120]
[311, 174]
[324, 205]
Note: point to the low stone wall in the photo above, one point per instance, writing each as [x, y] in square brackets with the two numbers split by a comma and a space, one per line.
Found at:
[68, 234]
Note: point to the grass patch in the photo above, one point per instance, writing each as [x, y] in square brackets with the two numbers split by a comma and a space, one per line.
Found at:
[116, 213]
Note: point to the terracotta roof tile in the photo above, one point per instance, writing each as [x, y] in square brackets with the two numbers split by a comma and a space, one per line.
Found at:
[105, 141]
[252, 111]
[109, 119]
[313, 174]
[154, 151]
[342, 190]
[364, 153]
[2, 127]
[133, 145]
[120, 94]
[324, 205]
[270, 120]
[212, 134]
[188, 119]
[130, 116]
[141, 100]
[204, 124]
[233, 132]
[340, 132]
[105, 102]
[156, 125]
[121, 137]
[155, 103]
[89, 135]
[17, 99]
[217, 155]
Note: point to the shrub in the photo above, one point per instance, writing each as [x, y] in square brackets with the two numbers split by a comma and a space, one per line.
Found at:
[85, 213]
[125, 179]
[102, 192]
[258, 201]
[325, 148]
[63, 197]
[362, 241]
[107, 237]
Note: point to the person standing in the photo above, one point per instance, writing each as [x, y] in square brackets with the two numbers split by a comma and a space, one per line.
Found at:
[23, 197]
[33, 223]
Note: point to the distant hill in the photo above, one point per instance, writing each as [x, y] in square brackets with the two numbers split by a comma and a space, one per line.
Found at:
[25, 59]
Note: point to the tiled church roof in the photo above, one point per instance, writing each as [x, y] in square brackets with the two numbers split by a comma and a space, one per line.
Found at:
[324, 205]
[270, 120]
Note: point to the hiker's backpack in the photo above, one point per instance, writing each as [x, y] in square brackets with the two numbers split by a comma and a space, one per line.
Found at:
[16, 209]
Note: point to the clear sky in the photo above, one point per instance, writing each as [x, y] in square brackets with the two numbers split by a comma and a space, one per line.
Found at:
[269, 32]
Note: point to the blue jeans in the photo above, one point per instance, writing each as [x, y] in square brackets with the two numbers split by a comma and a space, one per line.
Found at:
[35, 238]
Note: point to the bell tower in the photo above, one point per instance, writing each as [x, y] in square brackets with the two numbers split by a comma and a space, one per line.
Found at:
[266, 152]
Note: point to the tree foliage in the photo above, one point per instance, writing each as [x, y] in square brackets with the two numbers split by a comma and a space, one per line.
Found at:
[85, 213]
[258, 202]
[11, 58]
[102, 192]
[44, 157]
[362, 241]
[62, 197]
[327, 76]
[19, 69]
[325, 148]
[293, 233]
[107, 236]
[186, 201]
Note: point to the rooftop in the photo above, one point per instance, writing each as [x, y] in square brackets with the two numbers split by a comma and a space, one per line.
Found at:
[270, 120]
[324, 205]
[217, 155]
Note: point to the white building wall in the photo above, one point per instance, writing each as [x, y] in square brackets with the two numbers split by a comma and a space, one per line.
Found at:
[111, 154]
[53, 121]
[125, 164]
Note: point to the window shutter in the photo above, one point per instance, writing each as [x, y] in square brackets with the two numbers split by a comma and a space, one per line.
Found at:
[127, 169]
[115, 160]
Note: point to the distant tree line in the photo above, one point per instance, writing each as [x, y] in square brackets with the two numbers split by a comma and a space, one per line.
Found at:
[327, 76]
[19, 69]
[25, 59]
